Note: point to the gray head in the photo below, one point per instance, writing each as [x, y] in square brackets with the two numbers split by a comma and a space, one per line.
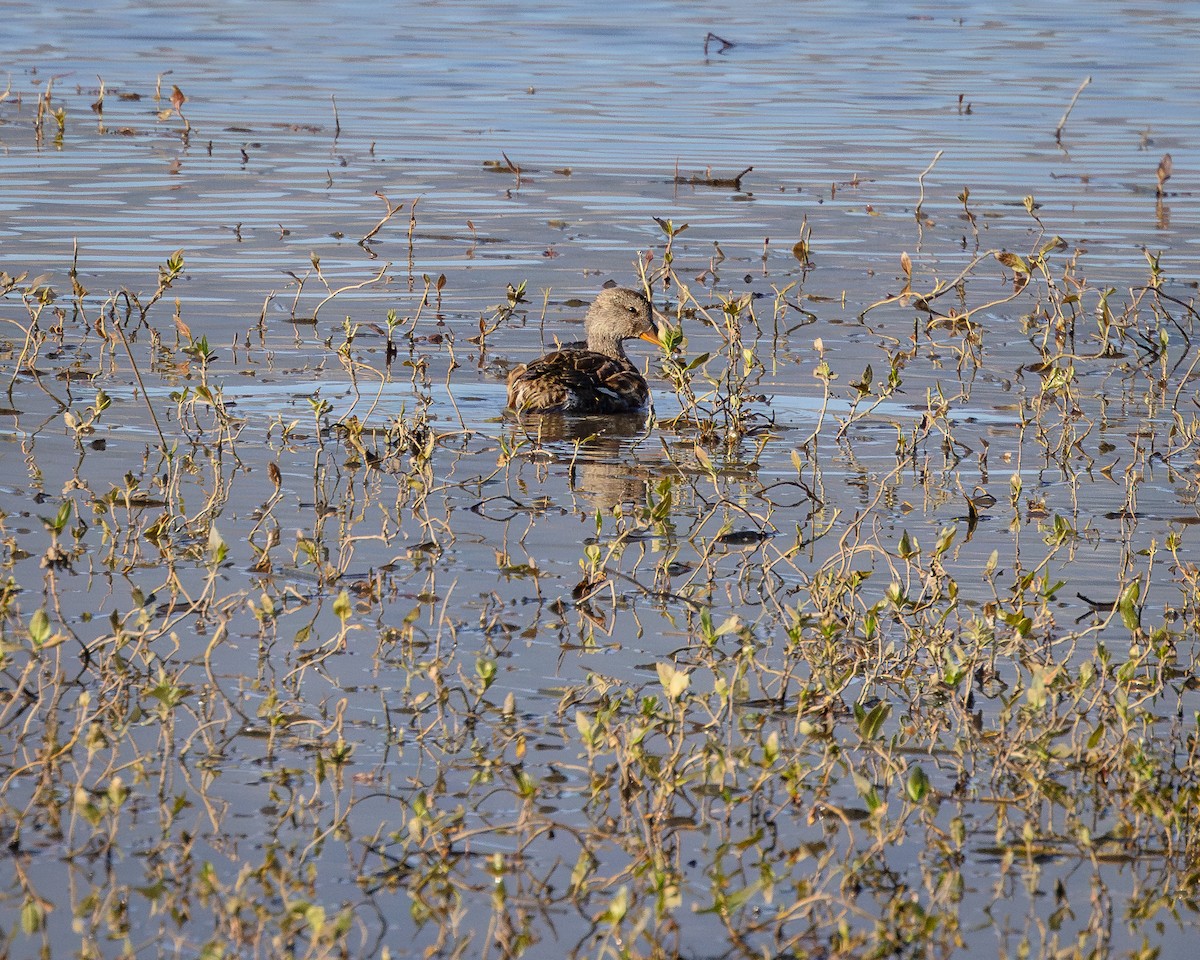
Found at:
[618, 314]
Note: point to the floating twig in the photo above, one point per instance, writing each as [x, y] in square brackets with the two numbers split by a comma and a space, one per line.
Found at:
[713, 38]
[708, 180]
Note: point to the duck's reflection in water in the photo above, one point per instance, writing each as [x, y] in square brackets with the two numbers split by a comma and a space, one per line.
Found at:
[601, 454]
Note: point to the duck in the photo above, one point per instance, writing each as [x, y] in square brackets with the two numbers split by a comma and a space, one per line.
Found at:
[595, 377]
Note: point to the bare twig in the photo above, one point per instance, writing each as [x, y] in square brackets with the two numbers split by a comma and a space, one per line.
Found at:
[512, 168]
[353, 286]
[713, 38]
[708, 180]
[1071, 106]
[391, 212]
[921, 182]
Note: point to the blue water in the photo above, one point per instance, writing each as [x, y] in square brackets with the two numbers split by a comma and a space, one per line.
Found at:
[811, 95]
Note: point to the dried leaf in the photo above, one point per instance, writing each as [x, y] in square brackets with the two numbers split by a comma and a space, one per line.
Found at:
[1012, 261]
[1164, 171]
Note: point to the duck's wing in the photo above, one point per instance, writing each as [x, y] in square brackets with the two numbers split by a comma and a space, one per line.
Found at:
[577, 381]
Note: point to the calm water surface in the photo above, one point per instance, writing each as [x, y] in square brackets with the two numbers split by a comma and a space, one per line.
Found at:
[299, 115]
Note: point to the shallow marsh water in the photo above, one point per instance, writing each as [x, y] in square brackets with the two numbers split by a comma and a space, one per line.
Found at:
[816, 663]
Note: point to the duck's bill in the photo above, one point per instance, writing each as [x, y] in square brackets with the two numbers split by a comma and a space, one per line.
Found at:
[661, 323]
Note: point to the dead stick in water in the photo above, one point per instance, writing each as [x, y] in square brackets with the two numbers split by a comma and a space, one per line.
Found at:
[1071, 106]
[725, 44]
[921, 183]
[391, 212]
[352, 286]
[708, 180]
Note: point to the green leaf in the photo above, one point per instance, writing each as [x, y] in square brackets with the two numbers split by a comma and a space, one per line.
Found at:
[59, 523]
[33, 916]
[771, 747]
[584, 724]
[872, 800]
[916, 787]
[870, 724]
[617, 907]
[217, 548]
[485, 669]
[342, 607]
[674, 682]
[1127, 605]
[39, 629]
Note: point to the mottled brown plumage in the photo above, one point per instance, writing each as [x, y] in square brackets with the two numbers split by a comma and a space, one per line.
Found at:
[598, 378]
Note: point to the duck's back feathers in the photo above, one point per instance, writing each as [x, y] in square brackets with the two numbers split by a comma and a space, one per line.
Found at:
[577, 381]
[595, 377]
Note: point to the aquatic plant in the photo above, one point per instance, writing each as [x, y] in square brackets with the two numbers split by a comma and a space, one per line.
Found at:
[877, 652]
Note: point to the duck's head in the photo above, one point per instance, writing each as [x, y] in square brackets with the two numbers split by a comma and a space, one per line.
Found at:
[620, 314]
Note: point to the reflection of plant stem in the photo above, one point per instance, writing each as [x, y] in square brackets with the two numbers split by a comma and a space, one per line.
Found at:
[141, 385]
[28, 331]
